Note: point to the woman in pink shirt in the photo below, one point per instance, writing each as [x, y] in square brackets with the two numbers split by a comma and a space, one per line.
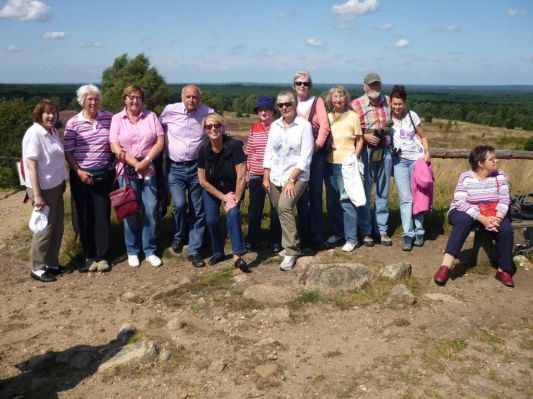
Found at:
[137, 138]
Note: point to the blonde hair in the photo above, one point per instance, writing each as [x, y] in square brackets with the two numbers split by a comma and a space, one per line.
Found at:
[337, 89]
[215, 118]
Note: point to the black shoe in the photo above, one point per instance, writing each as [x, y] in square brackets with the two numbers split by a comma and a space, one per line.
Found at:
[407, 243]
[196, 260]
[57, 270]
[276, 248]
[215, 259]
[419, 241]
[241, 264]
[316, 245]
[46, 277]
[177, 245]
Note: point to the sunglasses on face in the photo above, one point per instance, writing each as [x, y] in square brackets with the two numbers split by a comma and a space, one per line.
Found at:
[286, 105]
[306, 84]
[212, 125]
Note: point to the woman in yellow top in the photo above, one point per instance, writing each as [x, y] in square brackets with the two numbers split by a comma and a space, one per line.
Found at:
[347, 138]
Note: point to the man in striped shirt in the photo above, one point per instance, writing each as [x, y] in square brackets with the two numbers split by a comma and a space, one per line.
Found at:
[374, 114]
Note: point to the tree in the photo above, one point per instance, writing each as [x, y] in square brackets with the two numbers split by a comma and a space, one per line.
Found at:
[137, 70]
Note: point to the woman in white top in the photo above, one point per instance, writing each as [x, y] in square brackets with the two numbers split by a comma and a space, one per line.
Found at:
[45, 174]
[410, 143]
[287, 159]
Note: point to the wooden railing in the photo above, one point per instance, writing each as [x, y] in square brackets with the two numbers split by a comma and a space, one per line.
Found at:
[463, 153]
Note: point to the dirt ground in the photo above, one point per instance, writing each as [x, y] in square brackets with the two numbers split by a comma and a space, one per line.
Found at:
[472, 338]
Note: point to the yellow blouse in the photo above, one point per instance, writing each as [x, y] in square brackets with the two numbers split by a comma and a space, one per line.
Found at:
[344, 129]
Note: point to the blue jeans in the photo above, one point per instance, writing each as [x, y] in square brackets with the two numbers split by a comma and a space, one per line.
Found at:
[382, 174]
[310, 212]
[342, 213]
[403, 169]
[233, 223]
[140, 228]
[255, 213]
[183, 179]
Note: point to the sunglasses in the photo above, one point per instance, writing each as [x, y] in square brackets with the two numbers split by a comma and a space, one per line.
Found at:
[306, 84]
[286, 105]
[213, 125]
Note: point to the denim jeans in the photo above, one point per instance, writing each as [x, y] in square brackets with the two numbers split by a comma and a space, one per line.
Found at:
[93, 209]
[342, 213]
[382, 174]
[140, 228]
[233, 223]
[310, 212]
[183, 179]
[255, 213]
[403, 169]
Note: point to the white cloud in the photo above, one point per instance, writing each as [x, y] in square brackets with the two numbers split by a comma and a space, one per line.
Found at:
[450, 28]
[284, 15]
[54, 35]
[402, 43]
[313, 42]
[26, 10]
[91, 45]
[515, 13]
[387, 26]
[13, 48]
[354, 8]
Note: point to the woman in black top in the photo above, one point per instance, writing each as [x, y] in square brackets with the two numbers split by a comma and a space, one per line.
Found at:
[222, 174]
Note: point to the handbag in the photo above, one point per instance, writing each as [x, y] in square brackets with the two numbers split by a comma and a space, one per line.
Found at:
[488, 208]
[124, 199]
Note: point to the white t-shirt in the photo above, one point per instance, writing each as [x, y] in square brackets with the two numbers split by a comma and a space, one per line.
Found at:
[305, 106]
[404, 137]
[47, 149]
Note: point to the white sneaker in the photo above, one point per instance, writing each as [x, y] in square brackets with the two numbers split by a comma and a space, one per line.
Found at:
[288, 263]
[348, 247]
[91, 265]
[133, 261]
[154, 260]
[333, 239]
[102, 266]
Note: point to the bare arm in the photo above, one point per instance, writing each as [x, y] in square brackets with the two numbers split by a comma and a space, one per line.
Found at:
[154, 152]
[424, 141]
[38, 201]
[241, 180]
[208, 186]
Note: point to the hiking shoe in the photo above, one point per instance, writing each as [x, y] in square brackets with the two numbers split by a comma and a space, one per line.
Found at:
[368, 241]
[505, 278]
[56, 270]
[288, 263]
[154, 260]
[333, 240]
[407, 243]
[91, 265]
[442, 275]
[385, 240]
[133, 261]
[240, 263]
[419, 240]
[348, 247]
[43, 276]
[102, 265]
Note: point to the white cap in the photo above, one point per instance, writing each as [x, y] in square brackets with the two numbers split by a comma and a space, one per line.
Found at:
[39, 220]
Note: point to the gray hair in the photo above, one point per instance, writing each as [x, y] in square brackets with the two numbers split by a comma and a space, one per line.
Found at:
[288, 94]
[303, 74]
[337, 89]
[82, 92]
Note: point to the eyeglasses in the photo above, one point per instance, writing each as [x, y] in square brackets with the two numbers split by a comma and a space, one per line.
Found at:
[492, 160]
[286, 105]
[306, 84]
[213, 125]
[132, 98]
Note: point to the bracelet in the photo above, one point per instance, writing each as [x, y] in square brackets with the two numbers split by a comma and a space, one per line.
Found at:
[148, 158]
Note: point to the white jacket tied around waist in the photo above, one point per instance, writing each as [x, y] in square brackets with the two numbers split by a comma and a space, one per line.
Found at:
[353, 183]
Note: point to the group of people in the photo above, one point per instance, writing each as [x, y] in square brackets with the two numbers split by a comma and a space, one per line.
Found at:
[351, 148]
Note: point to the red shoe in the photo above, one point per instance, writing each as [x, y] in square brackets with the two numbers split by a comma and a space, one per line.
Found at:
[442, 275]
[505, 278]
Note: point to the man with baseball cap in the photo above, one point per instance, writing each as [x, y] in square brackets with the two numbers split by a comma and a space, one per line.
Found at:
[375, 116]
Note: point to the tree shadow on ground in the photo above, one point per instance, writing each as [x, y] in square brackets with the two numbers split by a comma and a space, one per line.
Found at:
[44, 376]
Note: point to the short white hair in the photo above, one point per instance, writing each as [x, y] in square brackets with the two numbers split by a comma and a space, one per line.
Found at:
[82, 92]
[303, 74]
[289, 95]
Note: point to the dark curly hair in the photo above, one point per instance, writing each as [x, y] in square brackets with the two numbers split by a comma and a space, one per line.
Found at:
[479, 154]
[398, 91]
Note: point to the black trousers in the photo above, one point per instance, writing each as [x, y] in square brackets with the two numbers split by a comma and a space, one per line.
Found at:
[94, 210]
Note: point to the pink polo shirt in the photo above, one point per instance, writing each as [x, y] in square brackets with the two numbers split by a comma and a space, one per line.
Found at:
[135, 138]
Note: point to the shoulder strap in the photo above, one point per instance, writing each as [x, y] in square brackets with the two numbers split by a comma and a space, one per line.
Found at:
[312, 112]
[410, 118]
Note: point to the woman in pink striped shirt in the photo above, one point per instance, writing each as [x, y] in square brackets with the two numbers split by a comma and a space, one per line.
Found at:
[481, 197]
[255, 151]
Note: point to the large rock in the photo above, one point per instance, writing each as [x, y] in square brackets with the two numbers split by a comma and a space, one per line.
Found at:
[335, 277]
[141, 351]
[396, 271]
[269, 293]
[400, 296]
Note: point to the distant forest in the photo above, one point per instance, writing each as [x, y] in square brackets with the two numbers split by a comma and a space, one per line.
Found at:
[501, 106]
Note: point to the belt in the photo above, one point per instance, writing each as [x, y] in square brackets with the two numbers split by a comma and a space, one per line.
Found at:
[184, 163]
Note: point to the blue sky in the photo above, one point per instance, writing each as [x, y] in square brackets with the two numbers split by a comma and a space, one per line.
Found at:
[455, 42]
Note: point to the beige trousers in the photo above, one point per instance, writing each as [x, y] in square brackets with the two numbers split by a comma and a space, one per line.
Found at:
[285, 207]
[45, 246]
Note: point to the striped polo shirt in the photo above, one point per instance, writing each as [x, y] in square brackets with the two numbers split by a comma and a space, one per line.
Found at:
[255, 148]
[89, 142]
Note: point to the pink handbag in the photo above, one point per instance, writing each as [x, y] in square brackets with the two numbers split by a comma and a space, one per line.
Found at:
[124, 199]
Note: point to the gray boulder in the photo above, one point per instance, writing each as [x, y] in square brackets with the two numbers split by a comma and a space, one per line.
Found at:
[396, 271]
[400, 296]
[269, 293]
[331, 278]
[141, 351]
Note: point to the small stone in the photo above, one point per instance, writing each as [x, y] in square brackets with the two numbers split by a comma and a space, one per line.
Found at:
[396, 271]
[126, 332]
[400, 295]
[164, 355]
[266, 370]
[522, 262]
[132, 297]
